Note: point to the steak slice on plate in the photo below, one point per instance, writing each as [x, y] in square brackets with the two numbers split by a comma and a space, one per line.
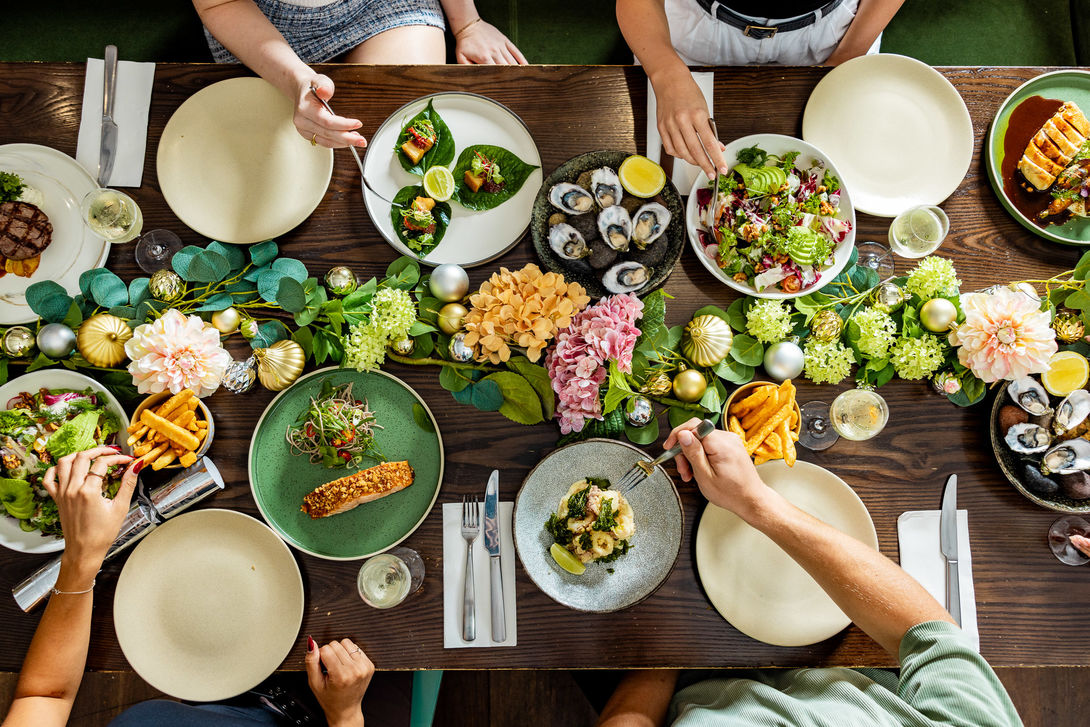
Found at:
[25, 231]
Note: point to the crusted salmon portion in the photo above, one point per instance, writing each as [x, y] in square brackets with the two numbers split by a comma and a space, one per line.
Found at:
[345, 493]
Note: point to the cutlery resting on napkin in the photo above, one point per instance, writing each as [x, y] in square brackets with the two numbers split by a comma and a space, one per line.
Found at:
[131, 103]
[454, 574]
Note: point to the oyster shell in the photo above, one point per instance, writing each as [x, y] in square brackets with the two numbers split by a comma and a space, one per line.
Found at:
[1072, 411]
[627, 277]
[567, 242]
[1028, 393]
[648, 224]
[1028, 438]
[1071, 456]
[606, 187]
[571, 198]
[616, 227]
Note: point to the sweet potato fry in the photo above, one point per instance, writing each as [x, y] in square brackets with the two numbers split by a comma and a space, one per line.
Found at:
[770, 425]
[736, 427]
[187, 459]
[751, 402]
[169, 429]
[758, 416]
[789, 454]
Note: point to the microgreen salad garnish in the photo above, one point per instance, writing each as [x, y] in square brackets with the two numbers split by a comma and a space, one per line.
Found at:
[776, 224]
[336, 430]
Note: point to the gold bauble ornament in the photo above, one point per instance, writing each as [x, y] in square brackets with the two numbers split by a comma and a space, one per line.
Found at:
[1068, 326]
[279, 365]
[826, 325]
[706, 340]
[689, 385]
[938, 314]
[166, 285]
[657, 384]
[451, 318]
[226, 320]
[101, 340]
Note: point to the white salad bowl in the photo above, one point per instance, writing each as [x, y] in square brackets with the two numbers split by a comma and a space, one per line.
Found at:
[778, 144]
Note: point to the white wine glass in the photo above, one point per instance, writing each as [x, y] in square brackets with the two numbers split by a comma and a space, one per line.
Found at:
[156, 249]
[876, 256]
[918, 231]
[856, 414]
[114, 216]
[387, 579]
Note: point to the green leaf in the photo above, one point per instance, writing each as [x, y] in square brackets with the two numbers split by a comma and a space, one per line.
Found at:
[138, 291]
[404, 272]
[40, 363]
[711, 399]
[452, 379]
[254, 273]
[305, 338]
[291, 267]
[360, 297]
[678, 416]
[74, 317]
[268, 285]
[515, 172]
[217, 302]
[49, 300]
[520, 400]
[539, 379]
[243, 291]
[1079, 299]
[181, 260]
[736, 373]
[420, 416]
[883, 377]
[316, 301]
[1082, 268]
[712, 310]
[673, 338]
[263, 253]
[428, 310]
[618, 390]
[419, 328]
[654, 310]
[290, 295]
[747, 350]
[442, 151]
[647, 434]
[268, 334]
[972, 391]
[109, 290]
[423, 346]
[416, 240]
[149, 308]
[736, 315]
[208, 267]
[233, 254]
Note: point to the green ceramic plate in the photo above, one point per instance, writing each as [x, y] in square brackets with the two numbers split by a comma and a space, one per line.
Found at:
[279, 480]
[1061, 85]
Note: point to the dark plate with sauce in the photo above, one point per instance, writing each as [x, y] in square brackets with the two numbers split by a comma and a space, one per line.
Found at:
[1020, 117]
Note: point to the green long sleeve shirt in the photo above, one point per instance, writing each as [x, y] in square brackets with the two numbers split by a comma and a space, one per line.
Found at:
[942, 682]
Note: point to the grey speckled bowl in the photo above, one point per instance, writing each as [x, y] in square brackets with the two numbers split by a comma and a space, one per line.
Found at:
[655, 545]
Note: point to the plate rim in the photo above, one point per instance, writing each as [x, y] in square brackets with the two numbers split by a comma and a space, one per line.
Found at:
[367, 194]
[276, 529]
[276, 538]
[666, 574]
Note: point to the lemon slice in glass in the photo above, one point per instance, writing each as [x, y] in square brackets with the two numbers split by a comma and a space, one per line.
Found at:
[1067, 371]
[439, 183]
[641, 177]
[566, 560]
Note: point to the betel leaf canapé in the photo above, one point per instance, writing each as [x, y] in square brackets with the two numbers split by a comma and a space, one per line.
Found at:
[514, 173]
[441, 151]
[419, 241]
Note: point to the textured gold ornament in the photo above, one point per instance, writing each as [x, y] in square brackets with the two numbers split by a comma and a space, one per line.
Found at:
[279, 365]
[1068, 326]
[706, 340]
[826, 325]
[226, 320]
[166, 285]
[938, 314]
[451, 318]
[657, 384]
[689, 385]
[101, 340]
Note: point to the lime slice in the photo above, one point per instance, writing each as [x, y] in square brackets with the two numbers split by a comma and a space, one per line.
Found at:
[566, 560]
[641, 177]
[1067, 371]
[439, 183]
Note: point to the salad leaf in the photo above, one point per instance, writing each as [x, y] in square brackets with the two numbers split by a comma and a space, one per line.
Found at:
[420, 243]
[11, 187]
[514, 172]
[441, 152]
[753, 156]
[75, 435]
[12, 420]
[17, 496]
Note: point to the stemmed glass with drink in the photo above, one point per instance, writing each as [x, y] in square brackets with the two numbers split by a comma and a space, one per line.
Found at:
[856, 414]
[918, 231]
[387, 579]
[116, 218]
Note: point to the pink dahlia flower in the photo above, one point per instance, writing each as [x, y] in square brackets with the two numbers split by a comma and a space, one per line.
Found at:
[1005, 335]
[175, 353]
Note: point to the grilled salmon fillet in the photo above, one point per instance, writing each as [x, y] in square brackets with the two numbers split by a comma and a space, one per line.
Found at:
[1052, 148]
[341, 495]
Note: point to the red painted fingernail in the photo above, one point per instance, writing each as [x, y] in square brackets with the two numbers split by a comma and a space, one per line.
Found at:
[114, 447]
[311, 646]
[138, 466]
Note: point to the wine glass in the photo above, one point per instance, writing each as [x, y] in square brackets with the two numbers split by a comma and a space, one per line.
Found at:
[114, 216]
[387, 579]
[1059, 539]
[156, 248]
[856, 414]
[918, 231]
[876, 256]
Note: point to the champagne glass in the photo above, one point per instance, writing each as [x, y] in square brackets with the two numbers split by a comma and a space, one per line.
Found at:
[876, 256]
[114, 216]
[918, 231]
[155, 250]
[1059, 539]
[856, 414]
[387, 579]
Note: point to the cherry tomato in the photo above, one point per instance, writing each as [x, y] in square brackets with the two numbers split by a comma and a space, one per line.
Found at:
[344, 455]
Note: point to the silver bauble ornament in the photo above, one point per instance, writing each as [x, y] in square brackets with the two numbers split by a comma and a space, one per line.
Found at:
[341, 280]
[451, 318]
[449, 282]
[166, 285]
[638, 411]
[888, 297]
[226, 320]
[784, 360]
[938, 314]
[458, 349]
[18, 341]
[56, 340]
[239, 377]
[403, 346]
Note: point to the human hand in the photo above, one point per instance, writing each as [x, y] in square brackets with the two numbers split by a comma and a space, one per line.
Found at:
[723, 470]
[317, 125]
[341, 687]
[684, 126]
[90, 522]
[483, 43]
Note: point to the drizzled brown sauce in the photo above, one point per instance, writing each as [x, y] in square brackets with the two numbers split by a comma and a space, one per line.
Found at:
[1026, 120]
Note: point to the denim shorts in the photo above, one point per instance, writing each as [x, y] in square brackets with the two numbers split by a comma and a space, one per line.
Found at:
[318, 34]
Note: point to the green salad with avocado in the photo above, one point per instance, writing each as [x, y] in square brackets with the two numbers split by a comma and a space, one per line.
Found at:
[35, 431]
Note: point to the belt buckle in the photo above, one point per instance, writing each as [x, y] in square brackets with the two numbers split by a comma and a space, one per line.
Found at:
[760, 32]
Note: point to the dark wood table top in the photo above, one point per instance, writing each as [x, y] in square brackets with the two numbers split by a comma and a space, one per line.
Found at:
[1032, 609]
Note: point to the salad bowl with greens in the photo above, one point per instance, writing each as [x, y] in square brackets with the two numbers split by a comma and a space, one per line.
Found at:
[47, 415]
[780, 224]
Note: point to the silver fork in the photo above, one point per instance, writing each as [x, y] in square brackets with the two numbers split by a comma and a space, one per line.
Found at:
[643, 468]
[471, 527]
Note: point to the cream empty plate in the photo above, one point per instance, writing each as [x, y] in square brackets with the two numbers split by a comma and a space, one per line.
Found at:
[232, 166]
[898, 131]
[208, 605]
[754, 584]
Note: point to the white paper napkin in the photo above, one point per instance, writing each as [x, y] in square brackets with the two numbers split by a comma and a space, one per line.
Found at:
[918, 540]
[684, 173]
[454, 560]
[134, 81]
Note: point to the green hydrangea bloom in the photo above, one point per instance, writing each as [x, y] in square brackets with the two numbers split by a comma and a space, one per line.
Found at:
[392, 314]
[827, 363]
[769, 321]
[933, 276]
[876, 332]
[918, 358]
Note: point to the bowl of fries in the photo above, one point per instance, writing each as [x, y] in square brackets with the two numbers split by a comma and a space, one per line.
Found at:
[767, 418]
[170, 431]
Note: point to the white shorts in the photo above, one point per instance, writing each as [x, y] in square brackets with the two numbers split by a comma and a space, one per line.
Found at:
[703, 40]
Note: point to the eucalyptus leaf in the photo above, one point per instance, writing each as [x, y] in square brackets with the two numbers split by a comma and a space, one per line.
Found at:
[217, 302]
[487, 395]
[514, 171]
[441, 152]
[121, 311]
[109, 290]
[253, 274]
[647, 434]
[233, 254]
[268, 285]
[181, 260]
[269, 333]
[290, 295]
[263, 253]
[87, 277]
[208, 267]
[49, 300]
[243, 291]
[747, 350]
[139, 291]
[420, 242]
[520, 400]
[291, 267]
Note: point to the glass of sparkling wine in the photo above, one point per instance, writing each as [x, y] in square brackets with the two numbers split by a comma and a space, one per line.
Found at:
[856, 414]
[918, 231]
[387, 579]
[112, 215]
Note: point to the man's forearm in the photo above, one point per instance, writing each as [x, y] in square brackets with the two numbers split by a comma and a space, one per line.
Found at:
[647, 31]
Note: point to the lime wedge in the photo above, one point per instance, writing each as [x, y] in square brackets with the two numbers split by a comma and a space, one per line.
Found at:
[641, 176]
[566, 560]
[439, 183]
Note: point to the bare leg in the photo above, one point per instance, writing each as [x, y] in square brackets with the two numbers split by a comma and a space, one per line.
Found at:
[409, 45]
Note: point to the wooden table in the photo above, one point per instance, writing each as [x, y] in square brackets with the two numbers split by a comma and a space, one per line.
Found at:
[1031, 608]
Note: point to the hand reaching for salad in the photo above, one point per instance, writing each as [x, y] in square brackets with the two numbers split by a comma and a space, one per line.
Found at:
[683, 123]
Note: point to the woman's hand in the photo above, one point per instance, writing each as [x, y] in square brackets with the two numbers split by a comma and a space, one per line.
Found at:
[722, 468]
[683, 123]
[341, 687]
[90, 522]
[316, 124]
[484, 44]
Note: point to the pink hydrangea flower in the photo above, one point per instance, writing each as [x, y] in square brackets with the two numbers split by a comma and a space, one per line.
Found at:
[175, 353]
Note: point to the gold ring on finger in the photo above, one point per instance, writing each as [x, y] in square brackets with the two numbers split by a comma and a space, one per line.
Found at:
[314, 140]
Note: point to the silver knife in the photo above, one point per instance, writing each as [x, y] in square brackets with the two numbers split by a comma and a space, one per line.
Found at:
[948, 543]
[108, 146]
[715, 187]
[492, 544]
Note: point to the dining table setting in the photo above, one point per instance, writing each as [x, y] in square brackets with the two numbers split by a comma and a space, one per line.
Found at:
[416, 393]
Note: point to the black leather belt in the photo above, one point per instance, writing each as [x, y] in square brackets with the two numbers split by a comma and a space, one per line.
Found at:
[760, 32]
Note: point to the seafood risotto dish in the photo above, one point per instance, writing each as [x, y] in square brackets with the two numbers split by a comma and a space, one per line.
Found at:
[593, 522]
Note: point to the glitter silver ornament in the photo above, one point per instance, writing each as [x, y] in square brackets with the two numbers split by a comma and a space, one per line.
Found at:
[449, 282]
[784, 360]
[239, 377]
[888, 297]
[56, 340]
[638, 411]
[166, 285]
[341, 280]
[403, 346]
[18, 341]
[458, 349]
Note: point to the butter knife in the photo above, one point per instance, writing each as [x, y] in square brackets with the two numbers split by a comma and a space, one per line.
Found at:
[948, 543]
[715, 187]
[108, 141]
[492, 545]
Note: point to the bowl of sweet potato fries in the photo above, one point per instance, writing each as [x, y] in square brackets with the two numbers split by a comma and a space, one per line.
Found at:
[169, 431]
[767, 418]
